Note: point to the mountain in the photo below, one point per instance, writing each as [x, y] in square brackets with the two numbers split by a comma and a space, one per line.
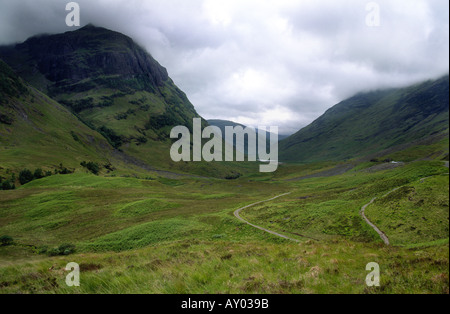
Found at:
[221, 124]
[104, 76]
[118, 90]
[37, 132]
[371, 122]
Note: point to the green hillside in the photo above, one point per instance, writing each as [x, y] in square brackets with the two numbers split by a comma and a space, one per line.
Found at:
[86, 178]
[117, 89]
[37, 132]
[180, 236]
[371, 122]
[110, 83]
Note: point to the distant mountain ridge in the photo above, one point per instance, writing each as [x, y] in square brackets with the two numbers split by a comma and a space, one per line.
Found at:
[221, 124]
[371, 122]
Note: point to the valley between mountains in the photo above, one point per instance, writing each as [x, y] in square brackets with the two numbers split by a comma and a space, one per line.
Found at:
[86, 177]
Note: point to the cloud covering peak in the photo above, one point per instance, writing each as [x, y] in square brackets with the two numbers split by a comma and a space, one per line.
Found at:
[262, 62]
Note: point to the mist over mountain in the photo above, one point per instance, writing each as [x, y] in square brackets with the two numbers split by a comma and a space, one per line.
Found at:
[94, 68]
[113, 86]
[120, 91]
[87, 150]
[94, 71]
[222, 124]
[371, 122]
[65, 61]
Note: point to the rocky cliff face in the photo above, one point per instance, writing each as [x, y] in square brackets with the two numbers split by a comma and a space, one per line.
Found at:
[76, 61]
[108, 80]
[94, 67]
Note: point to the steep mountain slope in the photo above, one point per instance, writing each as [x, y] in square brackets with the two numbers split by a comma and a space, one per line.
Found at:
[116, 88]
[370, 122]
[37, 132]
[107, 80]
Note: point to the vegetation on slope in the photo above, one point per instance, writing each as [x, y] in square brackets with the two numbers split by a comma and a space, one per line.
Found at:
[136, 229]
[370, 122]
[118, 90]
[180, 236]
[39, 133]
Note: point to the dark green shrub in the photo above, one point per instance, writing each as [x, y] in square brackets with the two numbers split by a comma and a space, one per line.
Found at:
[5, 119]
[142, 140]
[66, 249]
[91, 166]
[6, 240]
[81, 104]
[112, 137]
[42, 249]
[7, 185]
[109, 167]
[121, 116]
[63, 249]
[65, 171]
[233, 176]
[106, 101]
[38, 174]
[53, 252]
[25, 176]
[74, 136]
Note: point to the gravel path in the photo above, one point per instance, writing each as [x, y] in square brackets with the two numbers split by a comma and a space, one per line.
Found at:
[236, 213]
[381, 233]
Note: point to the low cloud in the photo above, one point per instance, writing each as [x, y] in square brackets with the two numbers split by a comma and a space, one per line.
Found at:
[264, 62]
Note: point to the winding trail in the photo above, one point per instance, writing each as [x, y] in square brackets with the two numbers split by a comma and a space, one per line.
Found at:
[363, 214]
[381, 233]
[363, 209]
[236, 213]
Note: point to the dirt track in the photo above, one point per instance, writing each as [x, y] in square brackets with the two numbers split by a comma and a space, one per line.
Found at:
[363, 209]
[236, 213]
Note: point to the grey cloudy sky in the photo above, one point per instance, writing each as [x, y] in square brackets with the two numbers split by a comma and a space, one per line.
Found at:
[265, 62]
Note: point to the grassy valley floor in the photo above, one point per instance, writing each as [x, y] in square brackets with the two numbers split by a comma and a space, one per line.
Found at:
[180, 236]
